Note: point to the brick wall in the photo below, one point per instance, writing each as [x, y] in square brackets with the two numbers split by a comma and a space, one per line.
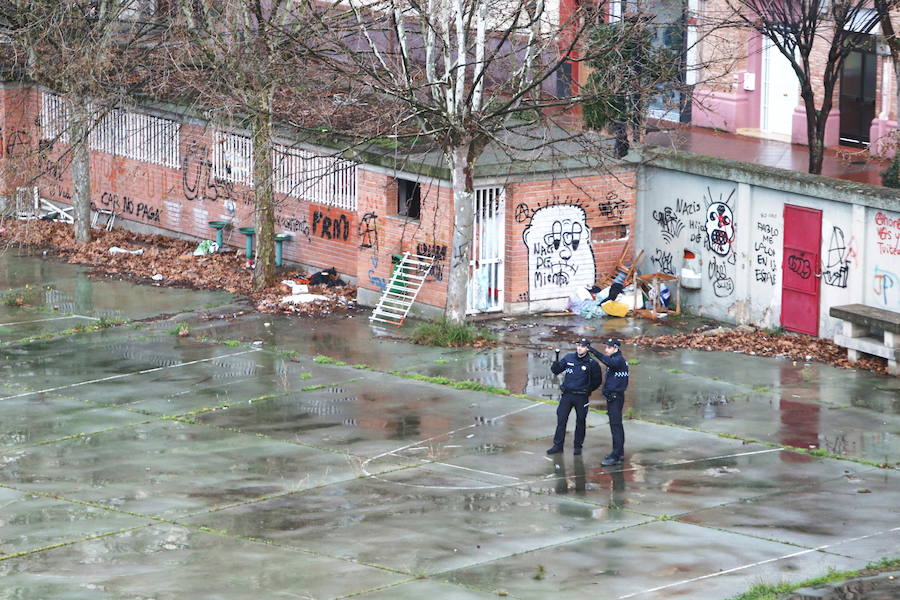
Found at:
[382, 232]
[565, 233]
[593, 215]
[18, 138]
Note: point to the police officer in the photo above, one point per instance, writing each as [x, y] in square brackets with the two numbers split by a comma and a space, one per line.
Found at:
[614, 392]
[582, 377]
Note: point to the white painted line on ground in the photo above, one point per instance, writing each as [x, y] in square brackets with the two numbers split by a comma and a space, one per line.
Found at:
[121, 375]
[757, 564]
[50, 319]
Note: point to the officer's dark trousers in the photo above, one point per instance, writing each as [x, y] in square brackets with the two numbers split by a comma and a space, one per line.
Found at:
[614, 403]
[566, 403]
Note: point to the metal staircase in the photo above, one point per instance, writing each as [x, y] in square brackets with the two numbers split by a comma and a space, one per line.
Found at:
[402, 289]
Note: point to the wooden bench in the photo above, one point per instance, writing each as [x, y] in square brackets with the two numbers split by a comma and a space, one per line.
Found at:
[861, 326]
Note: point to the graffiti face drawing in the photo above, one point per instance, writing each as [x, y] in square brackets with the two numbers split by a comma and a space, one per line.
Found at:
[720, 228]
[559, 252]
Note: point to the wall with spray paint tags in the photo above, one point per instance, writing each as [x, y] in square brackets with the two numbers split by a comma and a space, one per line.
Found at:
[563, 234]
[735, 226]
[882, 277]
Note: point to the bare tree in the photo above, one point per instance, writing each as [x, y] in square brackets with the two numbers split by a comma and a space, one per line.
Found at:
[237, 56]
[800, 28]
[463, 74]
[91, 52]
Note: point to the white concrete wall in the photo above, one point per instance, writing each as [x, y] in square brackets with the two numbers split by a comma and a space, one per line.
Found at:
[741, 264]
[882, 272]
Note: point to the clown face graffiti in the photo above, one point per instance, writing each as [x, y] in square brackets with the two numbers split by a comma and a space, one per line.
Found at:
[720, 228]
[560, 259]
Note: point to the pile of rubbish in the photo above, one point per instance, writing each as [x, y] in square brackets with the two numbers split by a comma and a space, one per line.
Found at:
[162, 260]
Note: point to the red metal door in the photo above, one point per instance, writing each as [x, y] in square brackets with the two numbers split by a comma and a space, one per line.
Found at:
[800, 269]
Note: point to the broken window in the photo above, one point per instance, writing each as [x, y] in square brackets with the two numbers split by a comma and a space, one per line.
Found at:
[409, 198]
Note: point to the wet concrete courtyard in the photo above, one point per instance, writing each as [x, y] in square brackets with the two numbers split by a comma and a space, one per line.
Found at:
[271, 457]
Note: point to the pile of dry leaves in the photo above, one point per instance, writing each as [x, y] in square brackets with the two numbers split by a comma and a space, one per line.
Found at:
[166, 261]
[760, 343]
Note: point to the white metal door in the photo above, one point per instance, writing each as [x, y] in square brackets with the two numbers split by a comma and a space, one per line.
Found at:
[781, 92]
[485, 293]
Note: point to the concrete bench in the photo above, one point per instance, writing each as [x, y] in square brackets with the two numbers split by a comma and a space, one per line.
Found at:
[861, 325]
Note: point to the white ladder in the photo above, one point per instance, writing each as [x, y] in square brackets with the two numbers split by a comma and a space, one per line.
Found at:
[402, 289]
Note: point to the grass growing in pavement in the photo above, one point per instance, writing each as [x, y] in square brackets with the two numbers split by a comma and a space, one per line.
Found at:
[103, 323]
[327, 360]
[765, 591]
[444, 333]
[231, 343]
[30, 295]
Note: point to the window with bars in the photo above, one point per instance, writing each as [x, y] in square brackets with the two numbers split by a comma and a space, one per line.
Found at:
[321, 179]
[123, 133]
[233, 157]
[54, 118]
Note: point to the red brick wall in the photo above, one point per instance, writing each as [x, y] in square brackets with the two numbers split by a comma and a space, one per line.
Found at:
[608, 205]
[382, 232]
[18, 138]
[357, 243]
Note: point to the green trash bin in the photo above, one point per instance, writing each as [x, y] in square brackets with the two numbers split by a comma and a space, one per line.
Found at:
[400, 283]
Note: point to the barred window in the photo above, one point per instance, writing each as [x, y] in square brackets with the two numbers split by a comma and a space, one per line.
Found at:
[233, 157]
[133, 135]
[321, 179]
[54, 118]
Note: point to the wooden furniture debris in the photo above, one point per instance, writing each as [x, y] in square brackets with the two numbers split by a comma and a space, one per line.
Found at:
[652, 282]
[622, 271]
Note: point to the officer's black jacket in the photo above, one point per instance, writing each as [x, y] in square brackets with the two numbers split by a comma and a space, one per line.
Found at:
[616, 370]
[583, 375]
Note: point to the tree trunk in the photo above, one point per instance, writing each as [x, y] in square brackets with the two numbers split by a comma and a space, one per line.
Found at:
[81, 170]
[815, 135]
[460, 161]
[263, 189]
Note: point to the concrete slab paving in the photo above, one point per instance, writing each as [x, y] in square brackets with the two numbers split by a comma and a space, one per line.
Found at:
[160, 562]
[357, 481]
[663, 559]
[378, 522]
[858, 504]
[40, 418]
[32, 522]
[170, 468]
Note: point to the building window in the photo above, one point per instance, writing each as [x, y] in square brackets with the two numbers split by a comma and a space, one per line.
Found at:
[120, 132]
[409, 198]
[322, 179]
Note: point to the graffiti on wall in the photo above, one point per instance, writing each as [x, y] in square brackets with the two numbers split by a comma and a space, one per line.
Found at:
[198, 180]
[559, 251]
[330, 228]
[799, 265]
[718, 272]
[887, 230]
[612, 207]
[886, 286]
[125, 205]
[367, 231]
[293, 224]
[662, 261]
[439, 253]
[670, 225]
[766, 267]
[15, 143]
[720, 230]
[837, 267]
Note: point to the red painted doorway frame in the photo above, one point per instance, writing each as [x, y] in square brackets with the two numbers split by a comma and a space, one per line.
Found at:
[801, 269]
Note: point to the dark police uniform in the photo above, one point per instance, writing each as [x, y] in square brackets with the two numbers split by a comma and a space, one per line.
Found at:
[614, 392]
[582, 376]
